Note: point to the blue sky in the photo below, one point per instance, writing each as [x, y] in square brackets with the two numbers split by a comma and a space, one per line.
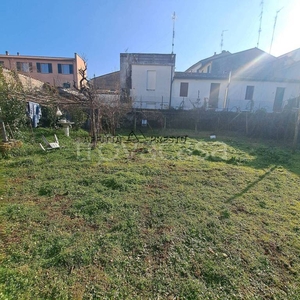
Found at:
[100, 30]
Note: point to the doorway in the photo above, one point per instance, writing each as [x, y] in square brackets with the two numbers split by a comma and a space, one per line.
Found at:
[214, 95]
[277, 107]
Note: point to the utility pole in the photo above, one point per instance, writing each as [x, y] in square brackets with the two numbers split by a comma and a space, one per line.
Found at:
[296, 133]
[274, 29]
[260, 20]
[225, 104]
[173, 35]
[222, 35]
[173, 56]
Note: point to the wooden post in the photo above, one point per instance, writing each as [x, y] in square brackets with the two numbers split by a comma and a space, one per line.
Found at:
[134, 122]
[296, 133]
[4, 135]
[247, 129]
[196, 120]
[93, 125]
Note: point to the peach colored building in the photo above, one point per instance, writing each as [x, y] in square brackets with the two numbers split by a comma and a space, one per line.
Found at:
[57, 71]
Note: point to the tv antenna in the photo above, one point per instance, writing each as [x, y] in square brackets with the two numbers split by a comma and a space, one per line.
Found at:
[222, 36]
[260, 20]
[274, 29]
[173, 36]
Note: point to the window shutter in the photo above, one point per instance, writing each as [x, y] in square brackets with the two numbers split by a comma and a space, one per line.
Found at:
[50, 68]
[59, 68]
[18, 66]
[38, 67]
[151, 80]
[71, 69]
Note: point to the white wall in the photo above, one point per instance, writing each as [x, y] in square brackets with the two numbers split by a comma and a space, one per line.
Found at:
[203, 86]
[156, 98]
[263, 96]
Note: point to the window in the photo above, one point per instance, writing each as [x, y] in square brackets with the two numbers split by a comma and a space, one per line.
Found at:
[65, 69]
[151, 80]
[1, 63]
[66, 85]
[44, 68]
[24, 67]
[208, 69]
[249, 92]
[184, 87]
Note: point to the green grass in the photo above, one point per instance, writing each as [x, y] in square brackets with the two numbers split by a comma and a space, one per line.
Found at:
[205, 219]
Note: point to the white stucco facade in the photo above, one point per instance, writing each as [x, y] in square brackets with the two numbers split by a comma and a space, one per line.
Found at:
[245, 81]
[151, 86]
[198, 92]
[232, 96]
[263, 95]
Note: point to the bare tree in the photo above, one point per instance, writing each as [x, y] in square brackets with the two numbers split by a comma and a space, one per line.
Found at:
[106, 110]
[88, 94]
[112, 112]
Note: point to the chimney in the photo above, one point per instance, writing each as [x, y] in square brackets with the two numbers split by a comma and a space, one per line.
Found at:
[215, 53]
[18, 53]
[6, 53]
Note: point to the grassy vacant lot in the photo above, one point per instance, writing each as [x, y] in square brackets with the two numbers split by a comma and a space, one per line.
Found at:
[204, 219]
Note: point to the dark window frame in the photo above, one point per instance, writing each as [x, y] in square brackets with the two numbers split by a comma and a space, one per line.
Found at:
[20, 66]
[278, 100]
[60, 69]
[184, 89]
[39, 68]
[249, 92]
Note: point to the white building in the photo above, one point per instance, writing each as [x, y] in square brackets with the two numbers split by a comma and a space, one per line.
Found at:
[231, 93]
[246, 80]
[147, 78]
